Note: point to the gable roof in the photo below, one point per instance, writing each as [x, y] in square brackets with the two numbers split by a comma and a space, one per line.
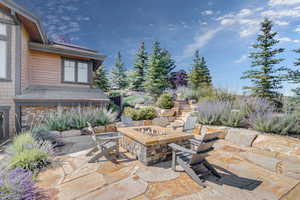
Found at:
[27, 18]
[40, 41]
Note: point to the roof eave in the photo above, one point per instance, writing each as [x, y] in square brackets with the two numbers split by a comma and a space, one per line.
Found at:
[51, 49]
[22, 11]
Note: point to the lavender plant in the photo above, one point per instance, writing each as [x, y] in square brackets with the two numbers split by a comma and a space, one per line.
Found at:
[255, 106]
[18, 184]
[233, 118]
[210, 112]
[272, 123]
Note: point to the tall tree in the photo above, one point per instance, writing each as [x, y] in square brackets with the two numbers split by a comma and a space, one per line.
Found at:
[140, 69]
[159, 66]
[200, 75]
[266, 78]
[119, 79]
[294, 75]
[101, 80]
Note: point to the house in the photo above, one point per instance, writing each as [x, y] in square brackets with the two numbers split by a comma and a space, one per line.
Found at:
[38, 76]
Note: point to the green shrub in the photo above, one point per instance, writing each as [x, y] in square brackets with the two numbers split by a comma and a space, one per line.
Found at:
[114, 94]
[58, 121]
[145, 113]
[104, 117]
[271, 123]
[136, 99]
[28, 153]
[165, 101]
[233, 119]
[30, 159]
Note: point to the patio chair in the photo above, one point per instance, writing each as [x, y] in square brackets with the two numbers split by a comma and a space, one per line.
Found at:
[193, 160]
[188, 125]
[105, 145]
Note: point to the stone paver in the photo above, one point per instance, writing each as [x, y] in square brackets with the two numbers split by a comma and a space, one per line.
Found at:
[155, 174]
[168, 190]
[126, 189]
[81, 186]
[247, 174]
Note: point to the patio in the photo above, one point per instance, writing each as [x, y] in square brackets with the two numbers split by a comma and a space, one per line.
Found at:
[127, 178]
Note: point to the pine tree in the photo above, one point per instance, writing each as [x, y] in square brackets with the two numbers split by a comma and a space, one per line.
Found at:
[200, 75]
[119, 79]
[266, 78]
[159, 67]
[101, 80]
[294, 75]
[140, 69]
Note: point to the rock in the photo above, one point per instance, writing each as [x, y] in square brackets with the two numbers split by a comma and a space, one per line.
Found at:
[167, 112]
[138, 123]
[242, 137]
[290, 169]
[222, 130]
[111, 128]
[181, 186]
[55, 134]
[156, 174]
[147, 122]
[262, 160]
[293, 194]
[125, 189]
[85, 131]
[71, 133]
[280, 144]
[99, 129]
[160, 121]
[81, 186]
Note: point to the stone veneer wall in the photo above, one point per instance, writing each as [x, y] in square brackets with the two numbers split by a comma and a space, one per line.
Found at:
[150, 154]
[32, 115]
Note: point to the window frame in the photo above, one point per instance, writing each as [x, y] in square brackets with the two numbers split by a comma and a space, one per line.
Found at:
[76, 61]
[7, 38]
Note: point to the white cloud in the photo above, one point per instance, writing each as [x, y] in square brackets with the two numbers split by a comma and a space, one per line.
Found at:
[283, 2]
[245, 12]
[227, 21]
[277, 14]
[242, 59]
[285, 39]
[281, 23]
[208, 12]
[298, 29]
[199, 42]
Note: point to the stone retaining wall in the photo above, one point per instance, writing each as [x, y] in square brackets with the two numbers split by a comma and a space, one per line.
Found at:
[33, 115]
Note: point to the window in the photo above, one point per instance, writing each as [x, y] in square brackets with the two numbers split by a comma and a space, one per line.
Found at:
[4, 73]
[82, 72]
[4, 125]
[75, 71]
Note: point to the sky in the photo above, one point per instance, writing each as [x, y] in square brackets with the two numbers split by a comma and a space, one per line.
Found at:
[222, 30]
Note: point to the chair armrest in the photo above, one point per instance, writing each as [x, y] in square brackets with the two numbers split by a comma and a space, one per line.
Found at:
[176, 147]
[195, 141]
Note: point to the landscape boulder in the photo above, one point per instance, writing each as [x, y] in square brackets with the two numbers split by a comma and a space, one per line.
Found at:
[241, 137]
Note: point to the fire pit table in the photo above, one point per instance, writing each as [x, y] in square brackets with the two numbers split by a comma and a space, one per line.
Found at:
[149, 144]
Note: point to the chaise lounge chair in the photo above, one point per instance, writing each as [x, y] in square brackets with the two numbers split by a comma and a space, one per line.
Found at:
[193, 160]
[188, 125]
[105, 144]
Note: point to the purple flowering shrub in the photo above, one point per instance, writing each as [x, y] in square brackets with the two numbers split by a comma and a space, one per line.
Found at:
[210, 112]
[18, 184]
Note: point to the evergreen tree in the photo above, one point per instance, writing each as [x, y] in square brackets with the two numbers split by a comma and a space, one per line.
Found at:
[140, 69]
[159, 66]
[101, 80]
[294, 75]
[200, 75]
[266, 78]
[119, 79]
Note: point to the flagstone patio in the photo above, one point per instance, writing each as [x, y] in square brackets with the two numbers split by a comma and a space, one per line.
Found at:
[127, 178]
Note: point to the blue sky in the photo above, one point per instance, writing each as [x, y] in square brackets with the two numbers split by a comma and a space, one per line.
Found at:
[223, 30]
